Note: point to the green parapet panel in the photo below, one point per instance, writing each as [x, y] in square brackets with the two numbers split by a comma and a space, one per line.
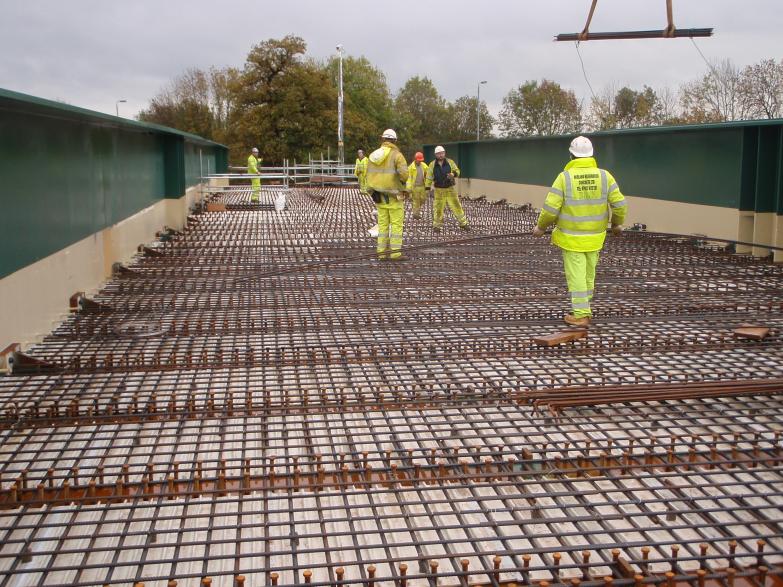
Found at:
[749, 162]
[767, 169]
[221, 160]
[779, 175]
[174, 163]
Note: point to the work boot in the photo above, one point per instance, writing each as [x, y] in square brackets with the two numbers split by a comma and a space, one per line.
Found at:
[399, 258]
[466, 228]
[436, 229]
[416, 216]
[383, 258]
[572, 320]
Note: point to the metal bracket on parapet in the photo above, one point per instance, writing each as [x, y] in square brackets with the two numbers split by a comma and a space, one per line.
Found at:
[149, 251]
[120, 270]
[81, 303]
[20, 363]
[6, 353]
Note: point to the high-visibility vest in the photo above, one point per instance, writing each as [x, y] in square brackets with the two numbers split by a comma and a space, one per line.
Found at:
[252, 165]
[361, 167]
[413, 171]
[581, 202]
[431, 171]
[383, 169]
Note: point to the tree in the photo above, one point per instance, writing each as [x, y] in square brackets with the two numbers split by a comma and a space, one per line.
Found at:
[540, 109]
[628, 108]
[285, 104]
[716, 97]
[368, 102]
[637, 108]
[222, 99]
[421, 114]
[184, 104]
[762, 89]
[462, 120]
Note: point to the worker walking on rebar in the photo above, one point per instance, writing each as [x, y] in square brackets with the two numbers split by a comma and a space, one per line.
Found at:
[417, 175]
[387, 172]
[253, 161]
[442, 172]
[360, 170]
[581, 203]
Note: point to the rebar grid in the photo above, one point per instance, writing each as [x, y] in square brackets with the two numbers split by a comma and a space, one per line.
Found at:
[256, 396]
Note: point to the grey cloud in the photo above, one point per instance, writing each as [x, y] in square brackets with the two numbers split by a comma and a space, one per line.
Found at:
[91, 52]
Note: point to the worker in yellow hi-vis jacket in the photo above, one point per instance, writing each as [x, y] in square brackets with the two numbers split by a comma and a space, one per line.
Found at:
[360, 171]
[582, 202]
[253, 161]
[417, 174]
[387, 172]
[443, 173]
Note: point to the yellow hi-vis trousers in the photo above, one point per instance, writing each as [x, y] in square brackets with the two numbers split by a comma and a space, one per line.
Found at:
[256, 185]
[418, 197]
[362, 183]
[391, 213]
[580, 276]
[448, 196]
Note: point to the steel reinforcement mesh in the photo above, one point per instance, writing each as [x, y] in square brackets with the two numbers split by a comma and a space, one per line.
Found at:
[256, 400]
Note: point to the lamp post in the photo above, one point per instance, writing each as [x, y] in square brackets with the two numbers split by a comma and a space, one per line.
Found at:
[478, 109]
[117, 106]
[340, 102]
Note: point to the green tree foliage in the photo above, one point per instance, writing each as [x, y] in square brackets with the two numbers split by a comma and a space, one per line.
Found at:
[285, 104]
[184, 104]
[462, 120]
[421, 114]
[628, 109]
[368, 102]
[540, 109]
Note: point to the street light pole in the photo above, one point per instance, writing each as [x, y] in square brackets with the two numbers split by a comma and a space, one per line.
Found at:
[478, 109]
[340, 102]
[117, 106]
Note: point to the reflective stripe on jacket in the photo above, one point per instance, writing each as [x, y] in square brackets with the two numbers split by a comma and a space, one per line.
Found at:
[387, 170]
[581, 203]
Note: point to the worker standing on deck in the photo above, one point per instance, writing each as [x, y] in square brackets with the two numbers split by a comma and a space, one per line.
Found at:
[387, 172]
[360, 170]
[252, 169]
[443, 173]
[581, 203]
[417, 175]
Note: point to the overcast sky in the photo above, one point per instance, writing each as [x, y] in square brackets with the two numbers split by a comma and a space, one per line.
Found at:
[91, 53]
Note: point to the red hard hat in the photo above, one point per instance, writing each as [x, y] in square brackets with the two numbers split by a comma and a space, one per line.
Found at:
[419, 156]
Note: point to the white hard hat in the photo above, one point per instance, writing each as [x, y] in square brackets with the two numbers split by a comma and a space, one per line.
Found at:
[389, 134]
[439, 149]
[254, 149]
[581, 147]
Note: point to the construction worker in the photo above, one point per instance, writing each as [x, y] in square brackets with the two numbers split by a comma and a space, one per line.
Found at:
[252, 169]
[360, 170]
[387, 172]
[417, 175]
[581, 203]
[443, 173]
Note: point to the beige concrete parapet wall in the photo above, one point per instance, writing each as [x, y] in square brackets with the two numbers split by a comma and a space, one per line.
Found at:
[34, 299]
[659, 215]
